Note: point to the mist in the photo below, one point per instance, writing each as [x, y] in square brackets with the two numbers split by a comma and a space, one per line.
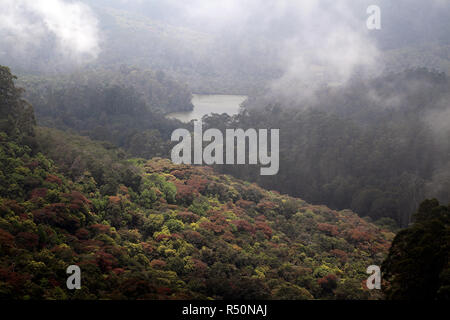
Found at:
[292, 48]
[296, 47]
[58, 31]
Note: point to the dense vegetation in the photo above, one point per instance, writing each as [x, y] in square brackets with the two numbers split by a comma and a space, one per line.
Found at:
[84, 177]
[378, 146]
[151, 229]
[159, 91]
[417, 267]
[125, 107]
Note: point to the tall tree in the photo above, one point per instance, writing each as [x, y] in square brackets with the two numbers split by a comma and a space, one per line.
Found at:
[417, 267]
[16, 115]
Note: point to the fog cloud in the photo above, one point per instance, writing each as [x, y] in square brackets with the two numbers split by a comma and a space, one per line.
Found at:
[317, 41]
[69, 26]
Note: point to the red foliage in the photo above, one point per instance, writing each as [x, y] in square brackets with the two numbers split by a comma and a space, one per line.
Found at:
[24, 216]
[176, 236]
[118, 271]
[342, 255]
[114, 200]
[91, 245]
[245, 203]
[187, 216]
[328, 283]
[14, 279]
[123, 190]
[27, 240]
[179, 174]
[163, 291]
[100, 228]
[266, 205]
[264, 227]
[57, 214]
[53, 179]
[77, 197]
[212, 227]
[243, 225]
[12, 205]
[197, 182]
[38, 193]
[6, 239]
[82, 234]
[358, 235]
[157, 264]
[185, 193]
[228, 236]
[161, 237]
[193, 237]
[199, 265]
[32, 165]
[105, 261]
[329, 229]
[148, 248]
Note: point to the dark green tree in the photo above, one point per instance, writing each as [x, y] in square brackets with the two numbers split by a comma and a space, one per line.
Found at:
[417, 267]
[16, 115]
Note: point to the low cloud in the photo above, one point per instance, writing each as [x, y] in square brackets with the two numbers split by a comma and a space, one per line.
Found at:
[66, 29]
[316, 41]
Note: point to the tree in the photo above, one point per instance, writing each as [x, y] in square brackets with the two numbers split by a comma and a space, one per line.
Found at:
[16, 115]
[417, 266]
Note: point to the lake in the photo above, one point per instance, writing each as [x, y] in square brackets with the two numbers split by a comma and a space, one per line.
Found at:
[207, 104]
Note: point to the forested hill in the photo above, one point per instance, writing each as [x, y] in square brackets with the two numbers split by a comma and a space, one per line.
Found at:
[125, 106]
[158, 91]
[377, 146]
[150, 229]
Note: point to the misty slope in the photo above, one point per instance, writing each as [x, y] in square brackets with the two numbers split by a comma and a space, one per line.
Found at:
[123, 106]
[377, 146]
[206, 62]
[160, 92]
[167, 232]
[235, 47]
[155, 230]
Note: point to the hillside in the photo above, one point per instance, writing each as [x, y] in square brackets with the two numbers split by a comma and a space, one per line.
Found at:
[123, 106]
[168, 232]
[378, 146]
[143, 229]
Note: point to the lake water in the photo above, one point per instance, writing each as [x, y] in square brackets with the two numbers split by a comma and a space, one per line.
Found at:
[207, 104]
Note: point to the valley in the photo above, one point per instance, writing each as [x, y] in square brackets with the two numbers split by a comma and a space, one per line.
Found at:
[208, 104]
[104, 171]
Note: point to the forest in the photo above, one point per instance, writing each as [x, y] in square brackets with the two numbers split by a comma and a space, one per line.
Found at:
[154, 230]
[87, 90]
[355, 152]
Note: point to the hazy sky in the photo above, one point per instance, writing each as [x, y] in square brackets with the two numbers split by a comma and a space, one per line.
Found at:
[26, 24]
[324, 38]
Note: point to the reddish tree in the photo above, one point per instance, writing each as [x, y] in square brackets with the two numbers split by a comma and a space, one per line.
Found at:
[53, 179]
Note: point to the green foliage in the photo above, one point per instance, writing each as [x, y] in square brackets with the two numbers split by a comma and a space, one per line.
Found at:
[154, 230]
[361, 146]
[417, 267]
[143, 241]
[125, 107]
[16, 115]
